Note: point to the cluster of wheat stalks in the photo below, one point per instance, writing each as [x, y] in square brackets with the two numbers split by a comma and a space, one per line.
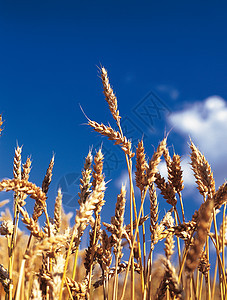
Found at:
[49, 264]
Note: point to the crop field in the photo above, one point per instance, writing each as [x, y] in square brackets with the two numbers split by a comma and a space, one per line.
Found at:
[118, 262]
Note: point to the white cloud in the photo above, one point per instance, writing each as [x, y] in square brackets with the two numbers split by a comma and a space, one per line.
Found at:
[206, 123]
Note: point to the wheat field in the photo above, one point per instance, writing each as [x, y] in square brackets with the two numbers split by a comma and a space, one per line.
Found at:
[49, 263]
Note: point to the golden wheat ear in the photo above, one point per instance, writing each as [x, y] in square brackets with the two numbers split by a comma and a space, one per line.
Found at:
[85, 181]
[109, 95]
[154, 162]
[202, 172]
[203, 227]
[141, 167]
[58, 211]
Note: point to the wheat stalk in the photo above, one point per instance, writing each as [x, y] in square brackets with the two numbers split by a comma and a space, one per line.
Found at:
[81, 220]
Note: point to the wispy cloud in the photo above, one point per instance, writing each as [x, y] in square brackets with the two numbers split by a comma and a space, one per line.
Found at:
[168, 89]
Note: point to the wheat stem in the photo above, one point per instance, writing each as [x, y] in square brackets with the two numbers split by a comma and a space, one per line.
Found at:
[214, 280]
[133, 242]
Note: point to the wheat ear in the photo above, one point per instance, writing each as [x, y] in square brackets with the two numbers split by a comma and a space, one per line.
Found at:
[23, 186]
[203, 227]
[85, 191]
[38, 209]
[109, 95]
[48, 176]
[141, 166]
[98, 180]
[17, 163]
[85, 180]
[58, 211]
[154, 162]
[26, 169]
[202, 172]
[167, 189]
[220, 196]
[113, 136]
[169, 283]
[31, 224]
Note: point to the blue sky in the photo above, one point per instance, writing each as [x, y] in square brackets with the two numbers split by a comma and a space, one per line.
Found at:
[169, 54]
